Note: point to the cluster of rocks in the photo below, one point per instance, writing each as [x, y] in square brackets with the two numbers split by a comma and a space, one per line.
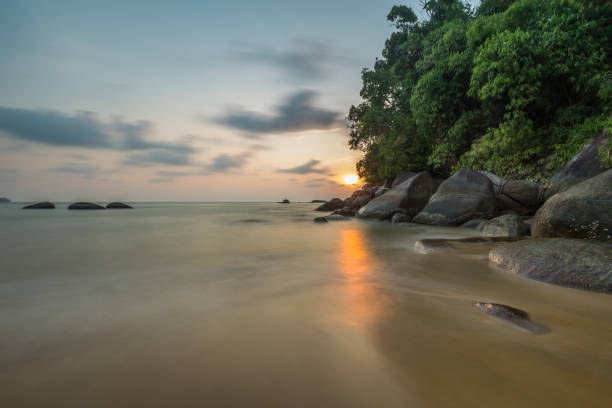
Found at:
[570, 219]
[45, 205]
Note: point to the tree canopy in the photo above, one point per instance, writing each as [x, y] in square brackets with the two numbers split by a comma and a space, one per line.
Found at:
[514, 87]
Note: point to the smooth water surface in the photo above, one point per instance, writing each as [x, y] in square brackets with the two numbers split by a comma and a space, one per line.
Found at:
[254, 305]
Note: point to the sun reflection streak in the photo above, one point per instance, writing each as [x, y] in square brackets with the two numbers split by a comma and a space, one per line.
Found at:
[358, 266]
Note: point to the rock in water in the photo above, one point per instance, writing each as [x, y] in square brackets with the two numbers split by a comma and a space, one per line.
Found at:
[464, 196]
[408, 197]
[426, 246]
[574, 263]
[331, 205]
[516, 317]
[117, 205]
[346, 212]
[400, 217]
[285, 201]
[584, 165]
[4, 200]
[85, 206]
[320, 219]
[317, 201]
[509, 225]
[40, 206]
[582, 211]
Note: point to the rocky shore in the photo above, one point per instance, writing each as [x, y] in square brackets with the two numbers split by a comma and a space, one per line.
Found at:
[559, 233]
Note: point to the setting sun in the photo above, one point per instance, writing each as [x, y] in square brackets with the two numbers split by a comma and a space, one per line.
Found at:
[351, 179]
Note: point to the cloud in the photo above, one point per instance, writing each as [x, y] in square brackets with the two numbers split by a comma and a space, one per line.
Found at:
[313, 185]
[259, 147]
[306, 168]
[297, 113]
[225, 163]
[172, 158]
[75, 168]
[305, 60]
[85, 130]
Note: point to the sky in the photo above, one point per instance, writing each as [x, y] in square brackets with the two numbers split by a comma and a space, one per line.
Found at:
[182, 100]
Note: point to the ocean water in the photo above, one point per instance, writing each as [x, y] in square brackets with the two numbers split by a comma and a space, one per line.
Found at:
[254, 305]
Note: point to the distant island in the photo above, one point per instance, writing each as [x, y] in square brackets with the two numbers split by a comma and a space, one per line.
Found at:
[4, 200]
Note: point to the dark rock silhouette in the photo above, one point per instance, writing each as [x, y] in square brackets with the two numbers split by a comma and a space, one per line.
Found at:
[517, 317]
[45, 205]
[85, 206]
[117, 205]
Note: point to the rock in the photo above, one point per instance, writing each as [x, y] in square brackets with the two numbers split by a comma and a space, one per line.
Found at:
[497, 182]
[514, 316]
[45, 205]
[401, 178]
[358, 199]
[509, 225]
[584, 165]
[320, 220]
[337, 217]
[426, 246]
[345, 212]
[410, 197]
[401, 217]
[85, 206]
[285, 201]
[573, 263]
[317, 201]
[464, 196]
[476, 223]
[331, 205]
[525, 192]
[4, 200]
[582, 211]
[117, 205]
[252, 220]
[381, 191]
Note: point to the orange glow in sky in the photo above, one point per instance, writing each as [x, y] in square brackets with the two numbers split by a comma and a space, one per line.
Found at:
[350, 179]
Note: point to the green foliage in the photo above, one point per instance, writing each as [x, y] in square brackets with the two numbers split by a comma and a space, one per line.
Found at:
[515, 88]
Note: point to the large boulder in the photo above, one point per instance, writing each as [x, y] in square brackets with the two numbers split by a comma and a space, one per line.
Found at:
[4, 200]
[359, 198]
[584, 165]
[525, 192]
[401, 178]
[331, 205]
[45, 205]
[582, 211]
[509, 225]
[85, 206]
[464, 196]
[573, 263]
[117, 206]
[408, 197]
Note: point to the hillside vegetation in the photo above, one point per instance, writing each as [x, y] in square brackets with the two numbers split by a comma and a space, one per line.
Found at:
[512, 87]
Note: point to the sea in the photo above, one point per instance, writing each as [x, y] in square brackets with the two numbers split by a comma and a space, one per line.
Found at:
[255, 305]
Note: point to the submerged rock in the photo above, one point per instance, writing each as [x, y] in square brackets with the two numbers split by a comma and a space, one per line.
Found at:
[582, 211]
[254, 221]
[400, 217]
[509, 225]
[464, 196]
[285, 201]
[476, 224]
[337, 217]
[514, 316]
[408, 197]
[317, 201]
[345, 212]
[584, 165]
[426, 246]
[331, 205]
[320, 219]
[85, 206]
[117, 206]
[574, 263]
[45, 205]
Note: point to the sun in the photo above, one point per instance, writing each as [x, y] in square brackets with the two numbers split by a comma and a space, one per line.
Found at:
[350, 179]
